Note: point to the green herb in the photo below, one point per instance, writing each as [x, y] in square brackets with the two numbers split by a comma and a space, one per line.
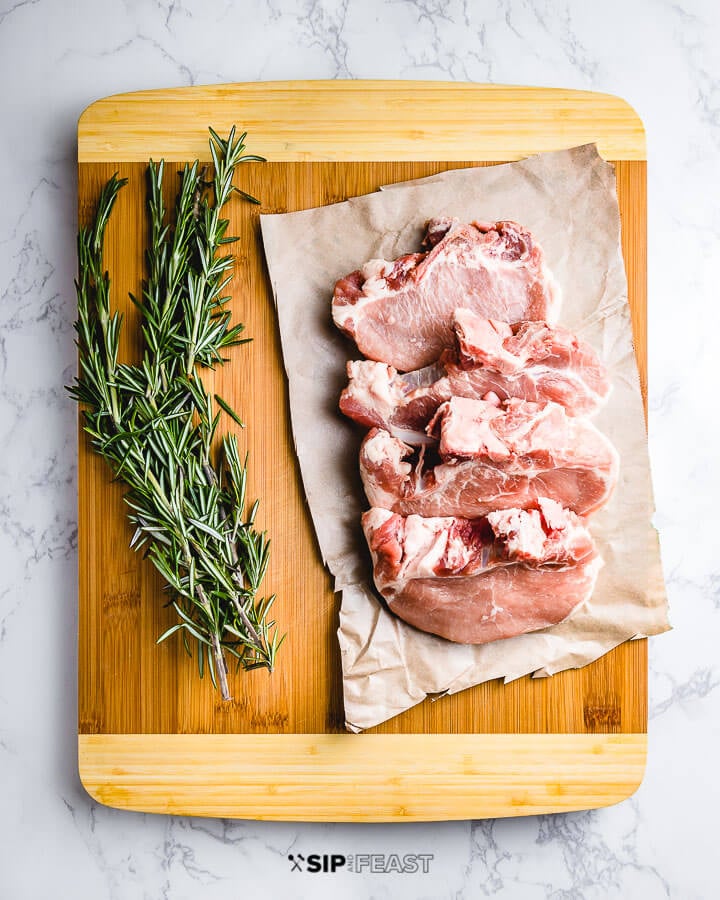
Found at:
[155, 423]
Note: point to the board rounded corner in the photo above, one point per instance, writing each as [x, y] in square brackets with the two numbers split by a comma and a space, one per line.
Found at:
[639, 769]
[103, 790]
[92, 120]
[88, 112]
[90, 788]
[634, 118]
[88, 116]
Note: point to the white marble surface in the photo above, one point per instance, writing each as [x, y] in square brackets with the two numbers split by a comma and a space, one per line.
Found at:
[55, 58]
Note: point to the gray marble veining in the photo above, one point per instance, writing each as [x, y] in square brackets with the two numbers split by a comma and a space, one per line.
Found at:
[55, 58]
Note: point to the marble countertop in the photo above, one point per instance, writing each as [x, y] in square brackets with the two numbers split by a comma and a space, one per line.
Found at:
[55, 58]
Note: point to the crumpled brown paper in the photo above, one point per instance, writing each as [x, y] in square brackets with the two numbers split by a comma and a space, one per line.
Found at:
[568, 200]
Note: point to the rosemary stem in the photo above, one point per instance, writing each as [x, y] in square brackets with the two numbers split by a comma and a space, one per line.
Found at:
[220, 664]
[237, 573]
[221, 667]
[190, 362]
[109, 369]
[246, 622]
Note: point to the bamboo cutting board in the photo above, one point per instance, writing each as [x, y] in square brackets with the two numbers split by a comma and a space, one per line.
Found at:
[151, 735]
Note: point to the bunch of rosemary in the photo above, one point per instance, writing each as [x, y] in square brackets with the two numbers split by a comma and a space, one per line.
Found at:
[155, 422]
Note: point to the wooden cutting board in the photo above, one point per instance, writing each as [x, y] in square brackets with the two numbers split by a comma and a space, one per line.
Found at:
[151, 735]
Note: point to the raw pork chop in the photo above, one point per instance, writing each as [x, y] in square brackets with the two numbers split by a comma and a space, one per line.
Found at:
[529, 360]
[492, 456]
[474, 581]
[400, 311]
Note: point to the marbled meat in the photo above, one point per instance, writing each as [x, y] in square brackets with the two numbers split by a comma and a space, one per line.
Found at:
[529, 360]
[491, 455]
[400, 311]
[479, 580]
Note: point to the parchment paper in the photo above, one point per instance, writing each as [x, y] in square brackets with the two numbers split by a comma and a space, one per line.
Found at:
[568, 200]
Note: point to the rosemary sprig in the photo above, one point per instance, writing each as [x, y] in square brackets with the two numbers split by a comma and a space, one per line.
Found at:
[156, 423]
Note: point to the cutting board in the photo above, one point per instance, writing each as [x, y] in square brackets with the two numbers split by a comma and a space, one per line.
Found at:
[152, 736]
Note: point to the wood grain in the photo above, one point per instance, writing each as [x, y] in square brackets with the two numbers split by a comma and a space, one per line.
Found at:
[361, 120]
[124, 595]
[138, 701]
[347, 778]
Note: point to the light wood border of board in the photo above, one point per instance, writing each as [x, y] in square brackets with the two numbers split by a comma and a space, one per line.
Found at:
[360, 120]
[361, 778]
